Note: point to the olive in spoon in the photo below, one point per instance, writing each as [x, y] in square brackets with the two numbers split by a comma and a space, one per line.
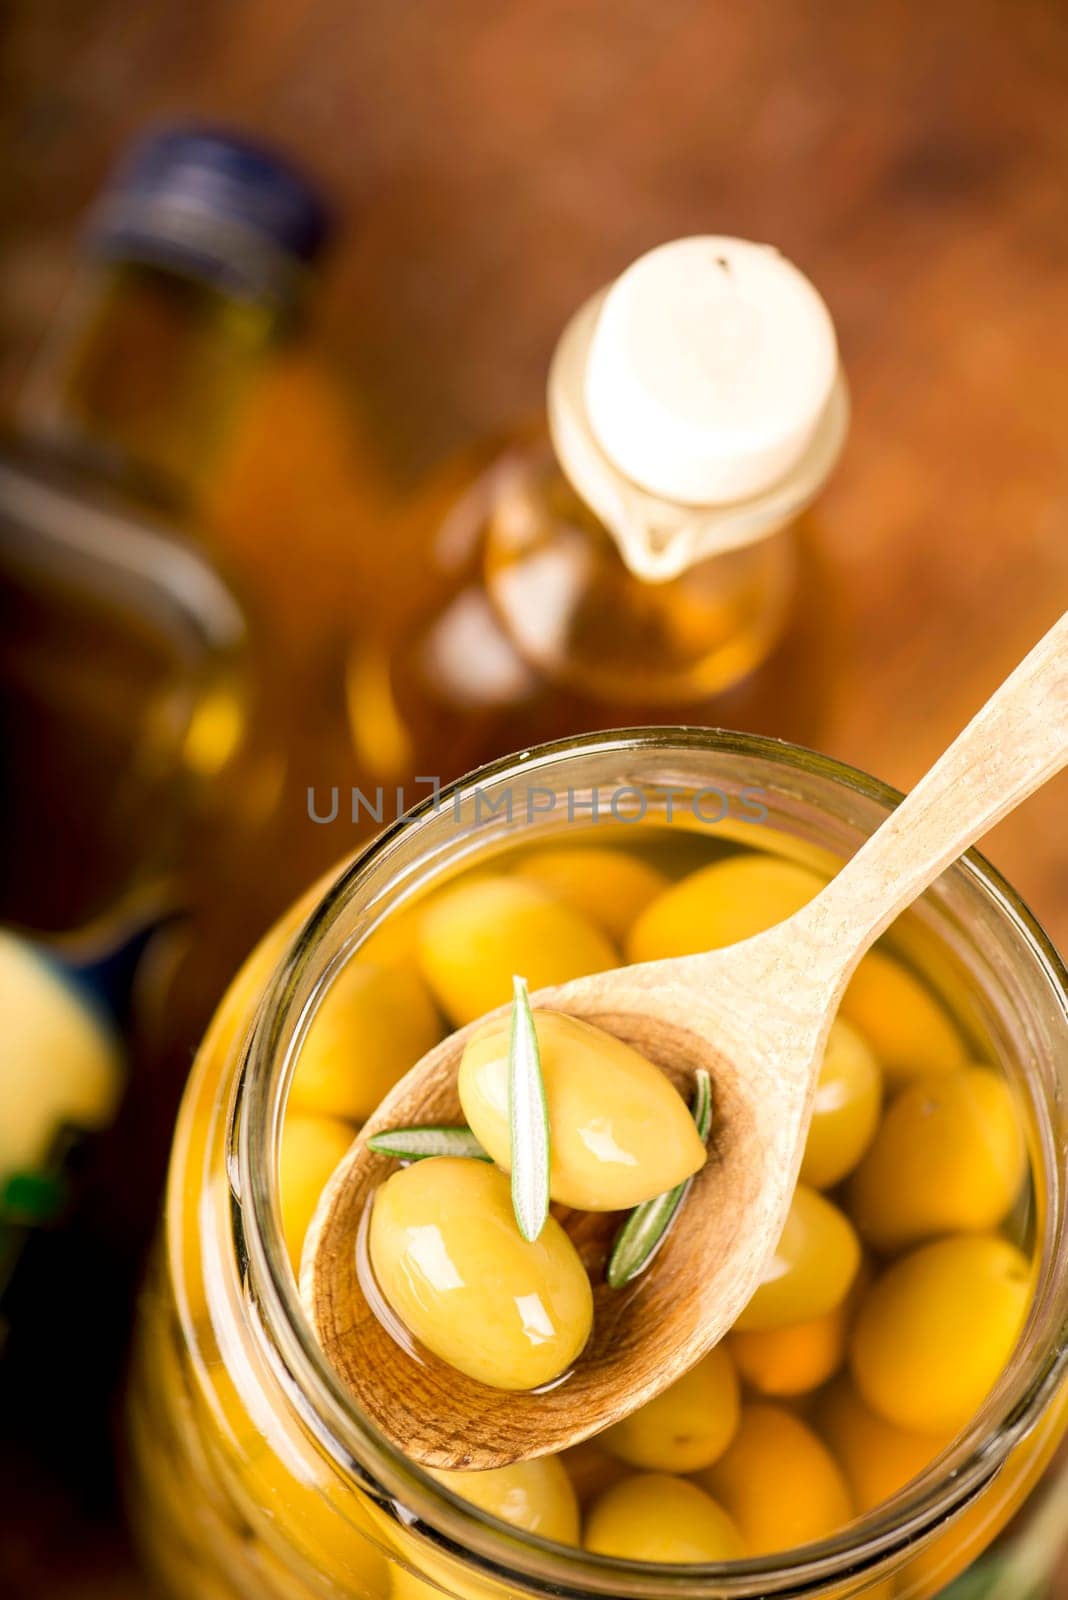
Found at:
[755, 1015]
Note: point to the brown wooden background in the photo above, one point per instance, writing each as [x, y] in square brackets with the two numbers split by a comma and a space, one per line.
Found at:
[498, 159]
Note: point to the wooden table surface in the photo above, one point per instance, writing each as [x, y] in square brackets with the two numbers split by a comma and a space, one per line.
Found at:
[495, 161]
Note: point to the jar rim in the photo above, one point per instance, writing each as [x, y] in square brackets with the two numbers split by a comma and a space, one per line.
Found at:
[456, 1526]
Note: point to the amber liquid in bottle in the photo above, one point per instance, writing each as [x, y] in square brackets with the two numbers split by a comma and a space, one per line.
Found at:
[536, 629]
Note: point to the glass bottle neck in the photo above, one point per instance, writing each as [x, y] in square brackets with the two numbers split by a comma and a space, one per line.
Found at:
[143, 377]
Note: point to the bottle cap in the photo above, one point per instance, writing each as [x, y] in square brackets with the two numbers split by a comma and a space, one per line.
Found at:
[710, 366]
[215, 206]
[697, 404]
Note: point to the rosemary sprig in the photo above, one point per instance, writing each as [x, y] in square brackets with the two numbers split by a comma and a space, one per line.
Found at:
[529, 1116]
[646, 1227]
[416, 1144]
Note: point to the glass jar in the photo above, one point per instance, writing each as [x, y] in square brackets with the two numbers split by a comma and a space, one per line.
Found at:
[253, 1471]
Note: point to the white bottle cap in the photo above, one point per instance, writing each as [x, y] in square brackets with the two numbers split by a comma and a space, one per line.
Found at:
[697, 404]
[710, 367]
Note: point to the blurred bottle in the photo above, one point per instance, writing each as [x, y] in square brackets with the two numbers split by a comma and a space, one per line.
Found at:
[141, 749]
[133, 702]
[643, 558]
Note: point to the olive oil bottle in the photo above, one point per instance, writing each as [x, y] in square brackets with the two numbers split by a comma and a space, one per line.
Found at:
[142, 750]
[642, 559]
[132, 700]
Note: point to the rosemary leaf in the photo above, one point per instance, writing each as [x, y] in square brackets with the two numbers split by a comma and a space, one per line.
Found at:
[529, 1116]
[646, 1227]
[415, 1144]
[701, 1110]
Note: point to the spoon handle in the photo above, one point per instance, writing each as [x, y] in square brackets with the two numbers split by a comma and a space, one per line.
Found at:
[1009, 749]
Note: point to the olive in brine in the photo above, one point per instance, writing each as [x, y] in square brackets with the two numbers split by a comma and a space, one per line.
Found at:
[447, 1255]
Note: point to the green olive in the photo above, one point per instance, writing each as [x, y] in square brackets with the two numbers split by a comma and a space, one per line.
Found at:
[721, 904]
[535, 1495]
[374, 1023]
[311, 1149]
[846, 1109]
[608, 886]
[935, 1331]
[620, 1132]
[476, 934]
[813, 1268]
[655, 1517]
[949, 1157]
[448, 1257]
[779, 1481]
[687, 1426]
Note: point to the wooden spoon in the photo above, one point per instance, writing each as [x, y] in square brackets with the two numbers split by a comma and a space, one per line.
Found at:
[756, 1015]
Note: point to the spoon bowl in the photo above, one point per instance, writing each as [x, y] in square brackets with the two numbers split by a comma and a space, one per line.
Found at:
[756, 1016]
[645, 1334]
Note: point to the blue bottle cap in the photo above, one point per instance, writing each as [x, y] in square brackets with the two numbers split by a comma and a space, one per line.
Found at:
[214, 206]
